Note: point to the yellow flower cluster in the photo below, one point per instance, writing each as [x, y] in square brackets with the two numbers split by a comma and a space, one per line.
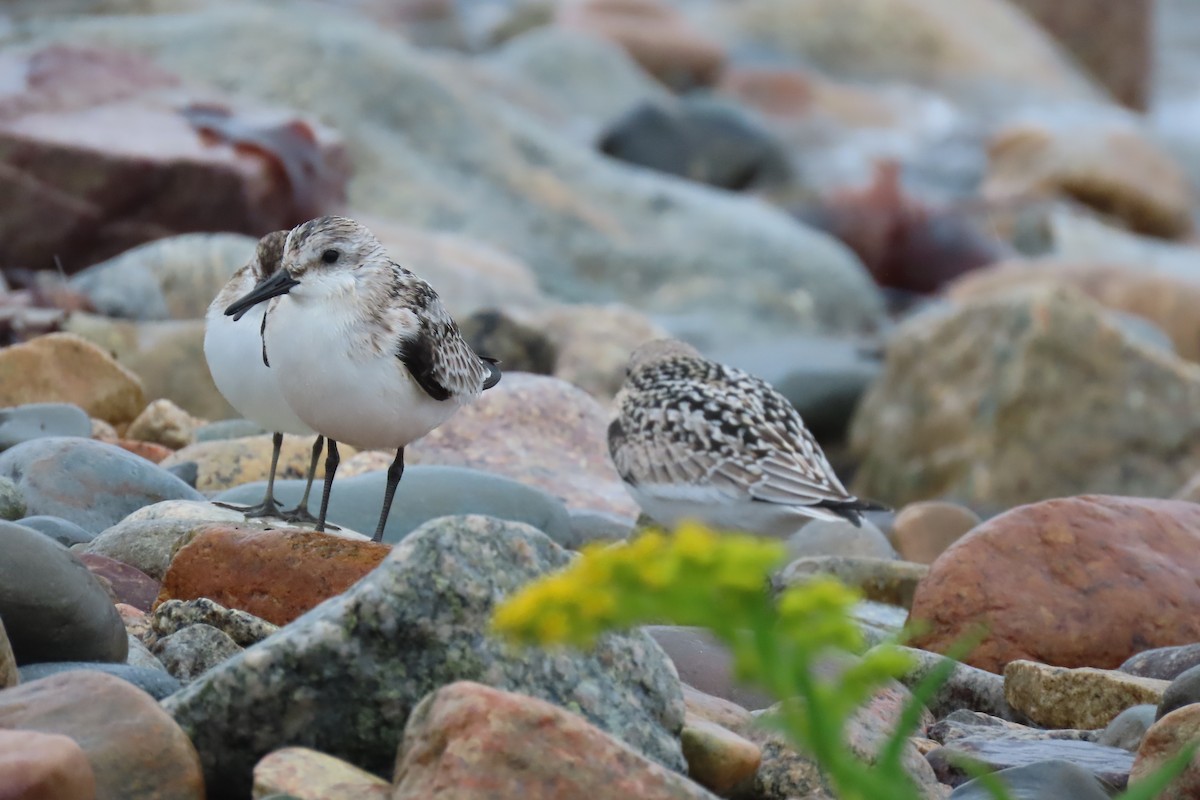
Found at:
[688, 578]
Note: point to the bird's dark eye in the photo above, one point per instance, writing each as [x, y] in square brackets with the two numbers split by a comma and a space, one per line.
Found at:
[330, 256]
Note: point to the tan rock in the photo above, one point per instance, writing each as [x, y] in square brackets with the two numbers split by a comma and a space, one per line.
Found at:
[1164, 299]
[9, 676]
[656, 35]
[1029, 395]
[473, 742]
[1162, 742]
[44, 766]
[276, 575]
[163, 422]
[168, 357]
[1075, 582]
[594, 343]
[717, 710]
[538, 430]
[309, 775]
[104, 431]
[922, 531]
[61, 368]
[717, 758]
[135, 749]
[1084, 698]
[231, 462]
[1114, 170]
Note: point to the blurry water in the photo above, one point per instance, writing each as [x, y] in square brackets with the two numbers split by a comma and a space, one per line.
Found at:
[1175, 108]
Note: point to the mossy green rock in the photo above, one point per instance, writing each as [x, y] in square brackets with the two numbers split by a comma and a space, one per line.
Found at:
[343, 678]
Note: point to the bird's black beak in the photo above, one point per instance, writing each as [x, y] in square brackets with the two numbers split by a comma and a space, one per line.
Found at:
[281, 282]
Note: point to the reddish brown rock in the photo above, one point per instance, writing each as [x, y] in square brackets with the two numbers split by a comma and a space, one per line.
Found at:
[275, 575]
[1164, 739]
[1112, 40]
[473, 742]
[147, 450]
[1167, 300]
[135, 749]
[103, 150]
[922, 531]
[538, 430]
[64, 368]
[656, 35]
[43, 766]
[127, 585]
[1077, 582]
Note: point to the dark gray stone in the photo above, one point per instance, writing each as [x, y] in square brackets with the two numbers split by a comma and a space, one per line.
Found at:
[425, 493]
[344, 677]
[53, 608]
[1128, 728]
[243, 628]
[701, 139]
[228, 429]
[60, 530]
[1109, 765]
[964, 724]
[967, 688]
[154, 682]
[90, 483]
[1163, 663]
[12, 502]
[187, 471]
[519, 347]
[1184, 690]
[1044, 780]
[39, 420]
[190, 652]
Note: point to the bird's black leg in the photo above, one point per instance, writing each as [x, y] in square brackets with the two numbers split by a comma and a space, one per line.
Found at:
[300, 514]
[331, 465]
[393, 480]
[268, 507]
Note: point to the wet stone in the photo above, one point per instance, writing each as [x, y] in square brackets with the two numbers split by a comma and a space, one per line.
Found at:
[60, 530]
[39, 420]
[154, 682]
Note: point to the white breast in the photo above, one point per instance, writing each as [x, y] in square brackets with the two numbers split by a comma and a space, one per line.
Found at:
[234, 354]
[341, 384]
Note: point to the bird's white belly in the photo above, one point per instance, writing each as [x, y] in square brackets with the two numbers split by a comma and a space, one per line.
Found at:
[234, 354]
[670, 506]
[365, 399]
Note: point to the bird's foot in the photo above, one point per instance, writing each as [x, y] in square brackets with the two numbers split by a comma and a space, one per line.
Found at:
[301, 516]
[267, 508]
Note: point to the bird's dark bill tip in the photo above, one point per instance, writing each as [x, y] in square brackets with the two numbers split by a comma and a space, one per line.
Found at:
[279, 283]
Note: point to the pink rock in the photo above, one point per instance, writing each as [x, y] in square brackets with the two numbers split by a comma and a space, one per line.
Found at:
[103, 150]
[128, 585]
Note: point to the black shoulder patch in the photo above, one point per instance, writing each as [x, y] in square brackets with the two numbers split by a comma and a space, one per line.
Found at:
[493, 376]
[417, 356]
[616, 435]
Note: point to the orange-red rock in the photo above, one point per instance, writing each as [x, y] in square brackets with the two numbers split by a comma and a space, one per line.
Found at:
[135, 749]
[276, 575]
[473, 742]
[656, 35]
[1076, 582]
[922, 531]
[1164, 739]
[43, 766]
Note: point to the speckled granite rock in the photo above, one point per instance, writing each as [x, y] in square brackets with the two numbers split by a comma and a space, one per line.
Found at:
[244, 629]
[12, 504]
[194, 650]
[365, 658]
[8, 662]
[1075, 698]
[966, 688]
[147, 544]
